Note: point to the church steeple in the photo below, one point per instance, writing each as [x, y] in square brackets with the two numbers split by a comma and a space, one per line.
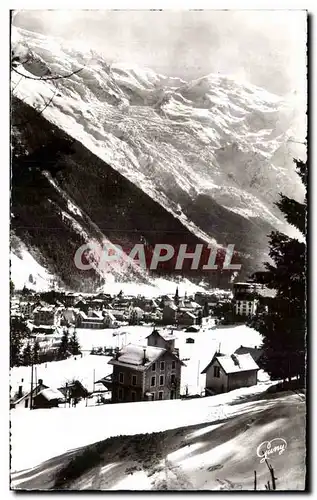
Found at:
[176, 297]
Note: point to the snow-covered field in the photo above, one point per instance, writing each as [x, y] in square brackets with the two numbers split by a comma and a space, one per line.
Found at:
[110, 420]
[51, 432]
[91, 367]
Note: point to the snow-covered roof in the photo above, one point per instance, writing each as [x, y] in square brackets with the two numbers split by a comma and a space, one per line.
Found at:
[95, 315]
[234, 363]
[51, 394]
[168, 336]
[132, 355]
[237, 363]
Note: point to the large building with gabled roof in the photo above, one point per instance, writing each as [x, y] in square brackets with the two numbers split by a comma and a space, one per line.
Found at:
[144, 373]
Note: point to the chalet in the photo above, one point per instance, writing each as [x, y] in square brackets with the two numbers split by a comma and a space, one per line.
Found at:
[47, 398]
[225, 373]
[42, 397]
[144, 374]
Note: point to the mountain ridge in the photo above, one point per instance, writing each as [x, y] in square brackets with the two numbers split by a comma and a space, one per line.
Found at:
[199, 148]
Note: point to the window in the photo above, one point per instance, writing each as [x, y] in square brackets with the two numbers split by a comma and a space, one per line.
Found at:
[121, 378]
[153, 367]
[162, 365]
[172, 394]
[133, 379]
[120, 394]
[133, 396]
[173, 365]
[161, 395]
[173, 378]
[161, 379]
[152, 381]
[216, 371]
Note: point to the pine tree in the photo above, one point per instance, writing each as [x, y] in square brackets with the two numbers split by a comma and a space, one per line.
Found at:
[36, 352]
[27, 355]
[63, 350]
[74, 346]
[15, 351]
[18, 332]
[284, 327]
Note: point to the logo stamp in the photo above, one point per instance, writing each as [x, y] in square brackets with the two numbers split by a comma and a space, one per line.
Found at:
[266, 449]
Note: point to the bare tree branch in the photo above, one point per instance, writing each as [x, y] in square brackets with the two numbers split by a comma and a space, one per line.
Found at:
[56, 77]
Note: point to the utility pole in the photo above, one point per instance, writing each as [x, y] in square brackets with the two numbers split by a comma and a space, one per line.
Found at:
[31, 393]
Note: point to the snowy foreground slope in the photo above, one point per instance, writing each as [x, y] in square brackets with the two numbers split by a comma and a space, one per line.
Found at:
[207, 151]
[221, 454]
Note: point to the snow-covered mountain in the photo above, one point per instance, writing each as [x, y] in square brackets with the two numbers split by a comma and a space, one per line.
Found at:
[213, 153]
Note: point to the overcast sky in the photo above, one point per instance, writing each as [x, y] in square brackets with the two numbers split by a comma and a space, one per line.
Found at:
[267, 48]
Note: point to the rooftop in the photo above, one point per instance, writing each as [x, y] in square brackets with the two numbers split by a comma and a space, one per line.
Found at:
[133, 356]
[234, 363]
[51, 394]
